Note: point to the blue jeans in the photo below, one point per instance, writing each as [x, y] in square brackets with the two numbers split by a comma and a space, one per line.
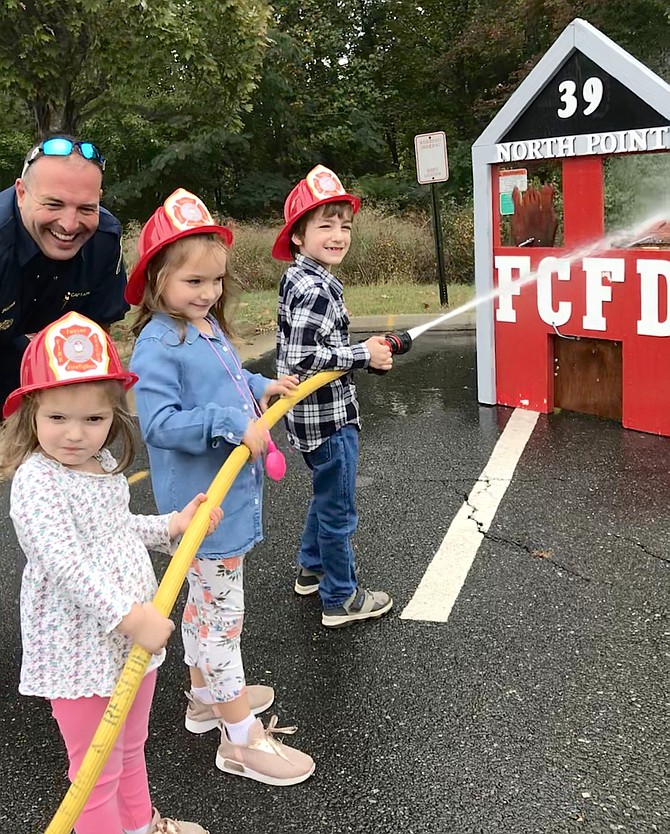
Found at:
[331, 521]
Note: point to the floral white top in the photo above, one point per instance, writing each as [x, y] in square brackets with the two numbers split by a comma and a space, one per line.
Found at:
[87, 563]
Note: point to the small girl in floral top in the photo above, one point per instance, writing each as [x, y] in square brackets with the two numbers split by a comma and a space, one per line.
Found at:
[88, 583]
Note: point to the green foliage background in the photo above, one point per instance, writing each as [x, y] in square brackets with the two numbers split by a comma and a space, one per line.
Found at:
[237, 99]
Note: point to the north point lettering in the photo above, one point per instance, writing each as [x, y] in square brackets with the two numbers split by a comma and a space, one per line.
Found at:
[590, 144]
[600, 278]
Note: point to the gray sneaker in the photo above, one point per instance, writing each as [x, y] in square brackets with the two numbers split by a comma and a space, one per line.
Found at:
[307, 582]
[201, 718]
[361, 605]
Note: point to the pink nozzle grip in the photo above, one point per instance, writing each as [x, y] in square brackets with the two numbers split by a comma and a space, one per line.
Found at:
[275, 463]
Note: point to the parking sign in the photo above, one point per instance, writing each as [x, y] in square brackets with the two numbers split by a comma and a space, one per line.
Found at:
[431, 157]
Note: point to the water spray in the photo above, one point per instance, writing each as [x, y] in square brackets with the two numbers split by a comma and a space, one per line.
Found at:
[401, 341]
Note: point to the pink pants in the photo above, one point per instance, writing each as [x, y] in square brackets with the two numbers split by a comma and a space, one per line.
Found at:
[120, 800]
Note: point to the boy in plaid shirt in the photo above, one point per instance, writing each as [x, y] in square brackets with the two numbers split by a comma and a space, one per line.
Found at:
[313, 336]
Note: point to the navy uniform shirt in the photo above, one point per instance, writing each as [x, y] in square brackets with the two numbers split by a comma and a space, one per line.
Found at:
[36, 290]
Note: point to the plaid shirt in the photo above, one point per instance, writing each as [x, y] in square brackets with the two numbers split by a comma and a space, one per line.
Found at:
[313, 336]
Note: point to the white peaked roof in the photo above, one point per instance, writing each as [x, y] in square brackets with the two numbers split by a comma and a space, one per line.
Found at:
[580, 35]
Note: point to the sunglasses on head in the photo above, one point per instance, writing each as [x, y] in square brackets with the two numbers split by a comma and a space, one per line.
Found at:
[58, 146]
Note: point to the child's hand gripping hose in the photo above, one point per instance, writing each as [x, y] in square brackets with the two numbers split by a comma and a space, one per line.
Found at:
[133, 672]
[399, 343]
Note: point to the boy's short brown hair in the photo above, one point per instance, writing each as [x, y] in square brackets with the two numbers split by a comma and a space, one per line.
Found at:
[338, 208]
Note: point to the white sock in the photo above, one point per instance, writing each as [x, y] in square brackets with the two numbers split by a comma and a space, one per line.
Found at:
[203, 694]
[238, 732]
[144, 830]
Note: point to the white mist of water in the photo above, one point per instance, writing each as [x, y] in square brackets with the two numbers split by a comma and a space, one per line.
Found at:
[616, 240]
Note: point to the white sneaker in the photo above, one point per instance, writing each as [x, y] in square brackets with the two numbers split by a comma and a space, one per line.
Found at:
[361, 605]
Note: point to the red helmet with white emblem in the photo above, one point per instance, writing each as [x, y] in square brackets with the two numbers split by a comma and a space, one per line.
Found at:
[319, 187]
[180, 215]
[72, 349]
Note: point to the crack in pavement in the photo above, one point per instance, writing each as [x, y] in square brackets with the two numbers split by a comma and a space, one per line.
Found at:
[642, 547]
[531, 551]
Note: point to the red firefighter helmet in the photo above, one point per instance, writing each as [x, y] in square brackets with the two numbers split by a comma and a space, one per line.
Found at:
[320, 186]
[180, 215]
[72, 349]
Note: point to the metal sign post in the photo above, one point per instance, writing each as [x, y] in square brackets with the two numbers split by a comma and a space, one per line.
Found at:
[439, 246]
[432, 167]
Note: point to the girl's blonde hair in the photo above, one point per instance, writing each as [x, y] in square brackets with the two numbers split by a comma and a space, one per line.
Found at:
[18, 434]
[172, 257]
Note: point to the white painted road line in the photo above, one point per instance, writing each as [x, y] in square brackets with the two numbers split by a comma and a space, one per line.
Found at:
[444, 578]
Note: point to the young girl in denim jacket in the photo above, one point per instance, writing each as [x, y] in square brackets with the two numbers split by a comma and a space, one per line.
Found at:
[195, 404]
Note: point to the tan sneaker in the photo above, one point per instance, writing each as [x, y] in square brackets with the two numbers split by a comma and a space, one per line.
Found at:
[163, 825]
[264, 758]
[200, 718]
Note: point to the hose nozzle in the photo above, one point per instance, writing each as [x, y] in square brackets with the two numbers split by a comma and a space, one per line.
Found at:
[399, 342]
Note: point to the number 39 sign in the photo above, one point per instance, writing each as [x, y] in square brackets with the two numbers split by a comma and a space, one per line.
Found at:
[583, 110]
[591, 92]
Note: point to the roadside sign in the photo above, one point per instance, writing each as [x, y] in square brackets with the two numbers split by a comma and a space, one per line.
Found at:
[431, 157]
[432, 167]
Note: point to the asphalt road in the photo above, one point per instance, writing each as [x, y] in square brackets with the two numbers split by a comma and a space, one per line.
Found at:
[541, 705]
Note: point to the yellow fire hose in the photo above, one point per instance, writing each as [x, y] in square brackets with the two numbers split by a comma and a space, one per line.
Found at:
[133, 672]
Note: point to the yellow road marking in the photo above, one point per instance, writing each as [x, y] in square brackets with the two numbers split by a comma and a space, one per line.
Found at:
[137, 476]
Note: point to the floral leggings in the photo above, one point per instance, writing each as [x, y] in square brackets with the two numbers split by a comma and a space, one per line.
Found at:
[212, 624]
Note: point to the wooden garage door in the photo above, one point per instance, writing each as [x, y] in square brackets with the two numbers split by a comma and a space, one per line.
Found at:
[587, 376]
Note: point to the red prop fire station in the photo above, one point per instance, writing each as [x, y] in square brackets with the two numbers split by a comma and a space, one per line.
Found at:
[584, 325]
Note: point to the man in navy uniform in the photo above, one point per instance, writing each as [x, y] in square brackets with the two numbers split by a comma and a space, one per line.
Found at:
[59, 250]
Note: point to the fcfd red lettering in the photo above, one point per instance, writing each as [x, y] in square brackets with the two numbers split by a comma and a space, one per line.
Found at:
[595, 280]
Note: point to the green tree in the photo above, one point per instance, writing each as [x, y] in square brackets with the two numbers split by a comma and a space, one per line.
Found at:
[158, 85]
[69, 59]
[15, 137]
[452, 64]
[318, 100]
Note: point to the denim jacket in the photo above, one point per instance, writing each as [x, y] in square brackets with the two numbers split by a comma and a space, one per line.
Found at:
[192, 414]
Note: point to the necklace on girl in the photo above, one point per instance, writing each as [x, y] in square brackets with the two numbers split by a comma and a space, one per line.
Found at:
[275, 462]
